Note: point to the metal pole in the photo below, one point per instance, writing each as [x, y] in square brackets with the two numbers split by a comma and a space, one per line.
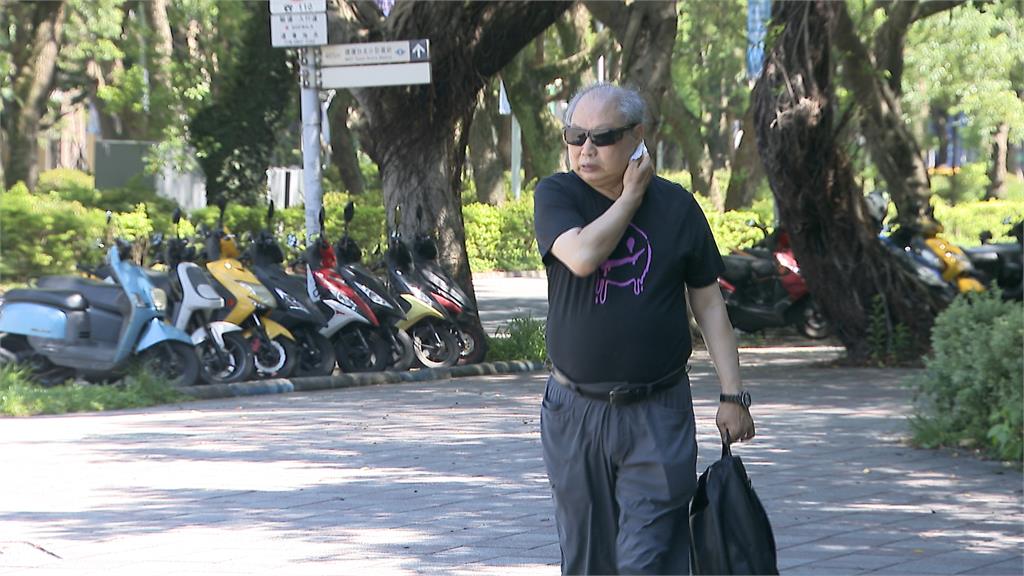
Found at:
[310, 98]
[517, 156]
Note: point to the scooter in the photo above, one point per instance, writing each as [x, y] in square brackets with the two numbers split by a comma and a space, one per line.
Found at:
[248, 304]
[762, 292]
[1002, 264]
[295, 311]
[443, 288]
[77, 326]
[387, 312]
[225, 355]
[431, 326]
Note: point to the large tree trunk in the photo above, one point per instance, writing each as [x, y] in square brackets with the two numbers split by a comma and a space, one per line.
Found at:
[38, 31]
[423, 130]
[844, 264]
[997, 170]
[646, 31]
[747, 170]
[940, 118]
[344, 152]
[164, 104]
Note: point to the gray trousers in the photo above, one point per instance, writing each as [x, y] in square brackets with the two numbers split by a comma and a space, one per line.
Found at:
[622, 478]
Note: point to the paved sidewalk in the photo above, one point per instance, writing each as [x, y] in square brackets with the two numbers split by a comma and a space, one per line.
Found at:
[446, 477]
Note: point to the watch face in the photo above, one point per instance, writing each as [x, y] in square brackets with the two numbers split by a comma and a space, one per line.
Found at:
[745, 399]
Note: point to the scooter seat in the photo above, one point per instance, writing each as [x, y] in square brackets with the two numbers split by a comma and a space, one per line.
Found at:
[60, 298]
[102, 295]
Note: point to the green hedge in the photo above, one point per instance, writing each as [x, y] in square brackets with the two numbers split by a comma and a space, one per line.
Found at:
[963, 223]
[971, 393]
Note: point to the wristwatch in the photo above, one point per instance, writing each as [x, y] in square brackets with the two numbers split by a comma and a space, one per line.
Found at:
[743, 398]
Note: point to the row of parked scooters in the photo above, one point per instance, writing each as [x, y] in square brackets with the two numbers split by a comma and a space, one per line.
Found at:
[763, 287]
[211, 318]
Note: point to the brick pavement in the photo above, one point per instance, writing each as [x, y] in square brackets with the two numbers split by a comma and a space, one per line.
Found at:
[446, 477]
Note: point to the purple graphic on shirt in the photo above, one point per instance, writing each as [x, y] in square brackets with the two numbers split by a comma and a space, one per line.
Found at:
[630, 270]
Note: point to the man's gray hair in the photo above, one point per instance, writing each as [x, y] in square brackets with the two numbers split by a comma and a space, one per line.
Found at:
[631, 103]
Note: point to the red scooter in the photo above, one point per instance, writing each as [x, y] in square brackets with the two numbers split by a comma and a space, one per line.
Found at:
[763, 288]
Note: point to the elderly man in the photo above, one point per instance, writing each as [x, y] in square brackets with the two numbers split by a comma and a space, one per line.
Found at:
[621, 246]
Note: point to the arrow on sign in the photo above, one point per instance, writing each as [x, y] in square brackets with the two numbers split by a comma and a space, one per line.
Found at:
[419, 50]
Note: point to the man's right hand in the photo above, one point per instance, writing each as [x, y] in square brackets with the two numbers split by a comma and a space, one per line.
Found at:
[636, 178]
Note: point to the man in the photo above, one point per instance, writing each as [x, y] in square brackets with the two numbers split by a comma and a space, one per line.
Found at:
[620, 246]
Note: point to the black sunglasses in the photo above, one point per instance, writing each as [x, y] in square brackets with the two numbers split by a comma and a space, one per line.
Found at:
[574, 136]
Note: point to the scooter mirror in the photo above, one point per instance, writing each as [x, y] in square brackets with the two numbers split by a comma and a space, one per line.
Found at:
[350, 210]
[321, 217]
[110, 216]
[176, 216]
[222, 205]
[985, 237]
[270, 212]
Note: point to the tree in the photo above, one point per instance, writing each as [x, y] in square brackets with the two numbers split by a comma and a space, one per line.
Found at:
[646, 33]
[420, 133]
[36, 31]
[798, 124]
[874, 75]
[971, 63]
[236, 134]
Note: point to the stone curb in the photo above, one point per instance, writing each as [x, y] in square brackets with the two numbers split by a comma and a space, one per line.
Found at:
[309, 383]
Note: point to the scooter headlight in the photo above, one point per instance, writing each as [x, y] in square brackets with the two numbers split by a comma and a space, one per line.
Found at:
[260, 294]
[373, 296]
[341, 297]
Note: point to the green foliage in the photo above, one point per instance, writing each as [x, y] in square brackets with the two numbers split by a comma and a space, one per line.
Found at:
[237, 133]
[967, 184]
[970, 61]
[501, 238]
[971, 393]
[888, 346]
[43, 234]
[963, 223]
[65, 181]
[521, 339]
[21, 396]
[731, 229]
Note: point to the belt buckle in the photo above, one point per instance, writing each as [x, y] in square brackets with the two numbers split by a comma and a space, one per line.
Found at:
[619, 396]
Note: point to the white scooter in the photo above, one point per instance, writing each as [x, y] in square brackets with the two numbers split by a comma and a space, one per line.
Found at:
[225, 355]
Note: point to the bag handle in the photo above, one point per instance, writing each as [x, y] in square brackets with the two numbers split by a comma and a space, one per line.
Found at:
[726, 442]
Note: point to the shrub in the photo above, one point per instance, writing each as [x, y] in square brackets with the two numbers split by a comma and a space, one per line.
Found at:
[964, 222]
[46, 235]
[970, 393]
[483, 234]
[521, 339]
[967, 184]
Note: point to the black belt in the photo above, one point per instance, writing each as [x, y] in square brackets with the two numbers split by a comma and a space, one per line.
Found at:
[621, 393]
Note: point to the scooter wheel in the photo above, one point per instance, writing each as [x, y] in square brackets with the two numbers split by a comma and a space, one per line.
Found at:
[435, 345]
[236, 365]
[361, 349]
[475, 344]
[175, 362]
[316, 354]
[812, 323]
[402, 352]
[277, 359]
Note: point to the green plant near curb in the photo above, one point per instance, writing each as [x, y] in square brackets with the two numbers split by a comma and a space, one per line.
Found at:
[20, 395]
[521, 339]
[971, 393]
[888, 346]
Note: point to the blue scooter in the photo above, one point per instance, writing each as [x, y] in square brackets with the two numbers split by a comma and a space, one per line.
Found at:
[73, 326]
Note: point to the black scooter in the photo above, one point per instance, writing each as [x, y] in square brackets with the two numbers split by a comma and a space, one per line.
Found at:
[295, 311]
[1001, 264]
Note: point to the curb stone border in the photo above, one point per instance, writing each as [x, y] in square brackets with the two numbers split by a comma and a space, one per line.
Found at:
[310, 383]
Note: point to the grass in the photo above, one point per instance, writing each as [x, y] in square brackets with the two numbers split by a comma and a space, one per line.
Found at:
[20, 395]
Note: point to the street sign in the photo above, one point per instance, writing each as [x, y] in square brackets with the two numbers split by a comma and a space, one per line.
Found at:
[373, 75]
[297, 6]
[375, 53]
[288, 30]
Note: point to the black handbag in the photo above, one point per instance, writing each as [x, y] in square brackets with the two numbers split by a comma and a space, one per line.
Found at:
[729, 529]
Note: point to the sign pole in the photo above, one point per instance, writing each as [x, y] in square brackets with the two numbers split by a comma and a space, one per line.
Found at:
[310, 100]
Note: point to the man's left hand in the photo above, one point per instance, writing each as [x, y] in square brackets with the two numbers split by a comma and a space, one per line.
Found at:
[734, 422]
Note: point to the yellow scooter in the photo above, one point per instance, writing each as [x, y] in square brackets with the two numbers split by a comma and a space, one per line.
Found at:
[248, 304]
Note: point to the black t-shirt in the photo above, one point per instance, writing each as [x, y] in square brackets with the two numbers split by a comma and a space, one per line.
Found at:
[627, 321]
